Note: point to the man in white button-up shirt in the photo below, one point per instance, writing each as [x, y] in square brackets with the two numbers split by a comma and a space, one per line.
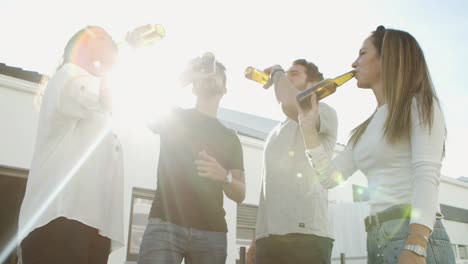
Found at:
[72, 211]
[292, 221]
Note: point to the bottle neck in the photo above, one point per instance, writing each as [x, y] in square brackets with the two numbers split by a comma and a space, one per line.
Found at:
[340, 80]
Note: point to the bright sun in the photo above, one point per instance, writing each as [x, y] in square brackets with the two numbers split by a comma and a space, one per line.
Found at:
[143, 85]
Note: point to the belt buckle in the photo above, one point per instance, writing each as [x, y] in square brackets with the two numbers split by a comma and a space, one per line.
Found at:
[371, 221]
[377, 221]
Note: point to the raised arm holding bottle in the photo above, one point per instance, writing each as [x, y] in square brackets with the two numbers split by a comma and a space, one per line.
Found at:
[293, 207]
[399, 148]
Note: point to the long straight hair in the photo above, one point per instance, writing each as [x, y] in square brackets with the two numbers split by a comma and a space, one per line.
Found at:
[68, 52]
[405, 76]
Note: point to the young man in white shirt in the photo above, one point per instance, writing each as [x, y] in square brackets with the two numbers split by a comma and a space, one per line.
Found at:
[292, 220]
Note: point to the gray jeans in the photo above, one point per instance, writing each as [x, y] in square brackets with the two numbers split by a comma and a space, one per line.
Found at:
[385, 243]
[167, 243]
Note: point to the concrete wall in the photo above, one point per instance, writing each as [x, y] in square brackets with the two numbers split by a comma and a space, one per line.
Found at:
[453, 193]
[18, 121]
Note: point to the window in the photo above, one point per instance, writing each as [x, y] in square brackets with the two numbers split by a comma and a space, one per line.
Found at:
[463, 251]
[139, 212]
[246, 222]
[140, 207]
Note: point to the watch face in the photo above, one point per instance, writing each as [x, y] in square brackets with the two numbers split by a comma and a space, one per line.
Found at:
[229, 178]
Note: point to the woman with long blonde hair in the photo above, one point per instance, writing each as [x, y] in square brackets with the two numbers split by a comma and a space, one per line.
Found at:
[399, 148]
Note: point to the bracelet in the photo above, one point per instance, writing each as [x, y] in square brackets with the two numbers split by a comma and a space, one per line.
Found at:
[421, 236]
[417, 249]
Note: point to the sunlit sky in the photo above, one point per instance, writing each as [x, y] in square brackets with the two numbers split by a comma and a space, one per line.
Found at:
[251, 33]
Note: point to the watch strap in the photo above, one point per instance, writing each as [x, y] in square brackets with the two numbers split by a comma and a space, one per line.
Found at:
[417, 249]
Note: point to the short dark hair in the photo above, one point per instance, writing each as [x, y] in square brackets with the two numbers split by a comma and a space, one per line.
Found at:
[312, 71]
[198, 65]
[221, 69]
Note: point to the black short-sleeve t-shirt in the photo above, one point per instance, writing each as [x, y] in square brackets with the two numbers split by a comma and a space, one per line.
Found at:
[182, 197]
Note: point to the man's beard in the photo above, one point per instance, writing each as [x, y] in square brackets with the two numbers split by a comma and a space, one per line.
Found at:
[301, 87]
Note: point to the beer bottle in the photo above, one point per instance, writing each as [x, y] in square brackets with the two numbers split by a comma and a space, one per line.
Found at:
[256, 75]
[323, 88]
[144, 35]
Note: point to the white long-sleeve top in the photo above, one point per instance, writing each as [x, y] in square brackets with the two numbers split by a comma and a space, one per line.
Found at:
[407, 172]
[77, 166]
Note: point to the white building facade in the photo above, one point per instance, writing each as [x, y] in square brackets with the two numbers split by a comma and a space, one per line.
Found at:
[19, 117]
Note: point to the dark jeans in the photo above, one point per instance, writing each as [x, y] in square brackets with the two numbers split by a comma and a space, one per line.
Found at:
[293, 248]
[65, 241]
[11, 195]
[167, 243]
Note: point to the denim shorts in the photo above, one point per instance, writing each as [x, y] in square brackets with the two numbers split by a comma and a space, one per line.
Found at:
[385, 243]
[164, 242]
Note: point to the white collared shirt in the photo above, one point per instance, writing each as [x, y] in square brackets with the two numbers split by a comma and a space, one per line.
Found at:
[77, 166]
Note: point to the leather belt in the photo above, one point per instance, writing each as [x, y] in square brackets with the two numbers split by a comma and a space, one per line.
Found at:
[395, 212]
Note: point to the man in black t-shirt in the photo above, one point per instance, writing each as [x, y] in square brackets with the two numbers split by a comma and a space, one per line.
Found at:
[200, 159]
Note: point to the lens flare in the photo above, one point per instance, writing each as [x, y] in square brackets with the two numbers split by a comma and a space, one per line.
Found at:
[32, 221]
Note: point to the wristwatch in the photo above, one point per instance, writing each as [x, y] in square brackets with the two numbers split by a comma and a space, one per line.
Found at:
[228, 178]
[417, 249]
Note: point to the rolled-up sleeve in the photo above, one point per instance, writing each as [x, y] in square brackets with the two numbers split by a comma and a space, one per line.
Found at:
[427, 146]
